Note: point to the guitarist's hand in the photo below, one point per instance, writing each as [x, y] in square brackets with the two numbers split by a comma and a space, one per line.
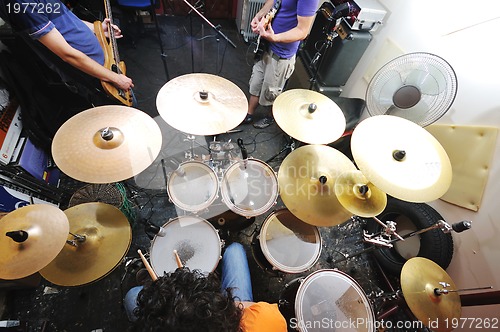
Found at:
[116, 29]
[123, 82]
[265, 30]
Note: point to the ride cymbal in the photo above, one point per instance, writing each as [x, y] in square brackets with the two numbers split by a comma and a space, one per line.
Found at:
[306, 180]
[309, 116]
[202, 104]
[401, 158]
[421, 282]
[101, 236]
[106, 144]
[30, 238]
[358, 195]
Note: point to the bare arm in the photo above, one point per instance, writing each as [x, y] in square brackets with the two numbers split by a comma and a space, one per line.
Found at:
[55, 42]
[260, 14]
[300, 32]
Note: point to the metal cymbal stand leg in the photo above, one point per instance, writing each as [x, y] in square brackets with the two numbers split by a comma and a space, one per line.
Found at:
[288, 146]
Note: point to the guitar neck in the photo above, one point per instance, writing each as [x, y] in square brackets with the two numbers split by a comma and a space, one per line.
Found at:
[111, 31]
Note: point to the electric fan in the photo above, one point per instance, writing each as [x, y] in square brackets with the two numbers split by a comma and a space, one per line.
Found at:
[419, 87]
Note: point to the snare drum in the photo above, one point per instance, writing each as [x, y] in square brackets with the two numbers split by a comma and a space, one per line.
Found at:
[193, 186]
[286, 243]
[249, 187]
[197, 243]
[326, 300]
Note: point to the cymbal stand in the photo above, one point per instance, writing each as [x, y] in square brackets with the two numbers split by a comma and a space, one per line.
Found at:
[319, 54]
[383, 240]
[289, 146]
[76, 239]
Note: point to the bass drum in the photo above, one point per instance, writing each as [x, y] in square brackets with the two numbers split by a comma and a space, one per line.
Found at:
[326, 300]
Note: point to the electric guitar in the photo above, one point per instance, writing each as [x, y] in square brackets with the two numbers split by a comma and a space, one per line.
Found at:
[112, 58]
[260, 46]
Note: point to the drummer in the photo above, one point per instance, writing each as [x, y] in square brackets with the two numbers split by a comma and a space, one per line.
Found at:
[192, 301]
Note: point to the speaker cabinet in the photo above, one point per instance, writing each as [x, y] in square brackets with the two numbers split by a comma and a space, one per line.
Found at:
[331, 55]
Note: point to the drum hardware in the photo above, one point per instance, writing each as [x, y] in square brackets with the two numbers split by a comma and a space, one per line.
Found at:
[401, 158]
[101, 238]
[289, 146]
[384, 239]
[202, 104]
[309, 116]
[30, 238]
[106, 144]
[308, 174]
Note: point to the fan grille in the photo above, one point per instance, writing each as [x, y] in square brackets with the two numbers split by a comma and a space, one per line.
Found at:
[420, 87]
[103, 193]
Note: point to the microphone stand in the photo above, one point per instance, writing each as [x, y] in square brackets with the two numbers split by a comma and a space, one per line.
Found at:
[216, 28]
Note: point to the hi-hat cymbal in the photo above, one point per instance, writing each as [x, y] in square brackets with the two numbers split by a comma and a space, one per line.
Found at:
[420, 277]
[401, 158]
[30, 238]
[106, 144]
[358, 195]
[306, 181]
[309, 116]
[106, 237]
[202, 104]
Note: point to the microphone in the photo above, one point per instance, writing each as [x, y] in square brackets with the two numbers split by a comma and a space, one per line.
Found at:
[152, 230]
[342, 10]
[462, 226]
[244, 154]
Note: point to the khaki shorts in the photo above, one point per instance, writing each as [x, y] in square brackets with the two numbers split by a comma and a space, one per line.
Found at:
[269, 76]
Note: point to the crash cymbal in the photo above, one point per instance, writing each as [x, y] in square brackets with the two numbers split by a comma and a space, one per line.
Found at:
[401, 158]
[30, 238]
[306, 180]
[309, 116]
[106, 144]
[358, 195]
[105, 239]
[420, 277]
[202, 104]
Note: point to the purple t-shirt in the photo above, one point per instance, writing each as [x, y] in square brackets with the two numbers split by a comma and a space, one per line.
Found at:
[39, 17]
[286, 19]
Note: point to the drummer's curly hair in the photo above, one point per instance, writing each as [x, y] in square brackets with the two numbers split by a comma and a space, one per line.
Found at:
[184, 301]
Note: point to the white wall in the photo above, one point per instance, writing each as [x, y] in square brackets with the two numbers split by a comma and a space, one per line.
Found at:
[467, 36]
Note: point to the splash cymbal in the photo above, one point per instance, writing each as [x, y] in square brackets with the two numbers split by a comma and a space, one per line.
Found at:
[105, 237]
[106, 144]
[358, 195]
[306, 181]
[202, 104]
[309, 116]
[30, 238]
[401, 158]
[420, 277]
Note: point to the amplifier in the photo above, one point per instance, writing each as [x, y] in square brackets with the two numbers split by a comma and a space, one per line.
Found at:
[365, 14]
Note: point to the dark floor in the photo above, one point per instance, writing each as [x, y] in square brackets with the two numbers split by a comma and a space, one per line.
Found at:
[98, 304]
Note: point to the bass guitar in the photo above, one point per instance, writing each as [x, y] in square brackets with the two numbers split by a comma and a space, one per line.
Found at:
[261, 45]
[112, 58]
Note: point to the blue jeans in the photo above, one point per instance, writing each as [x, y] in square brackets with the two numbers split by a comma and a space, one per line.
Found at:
[235, 275]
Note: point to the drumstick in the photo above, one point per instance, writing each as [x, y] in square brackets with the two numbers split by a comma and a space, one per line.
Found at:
[148, 267]
[178, 259]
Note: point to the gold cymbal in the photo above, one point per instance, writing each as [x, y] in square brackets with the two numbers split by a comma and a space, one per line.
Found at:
[358, 195]
[420, 277]
[202, 104]
[401, 158]
[39, 233]
[106, 144]
[309, 116]
[107, 236]
[306, 181]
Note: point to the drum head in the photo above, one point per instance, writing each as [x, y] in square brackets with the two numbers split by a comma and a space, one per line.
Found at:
[249, 188]
[196, 241]
[193, 186]
[333, 297]
[288, 243]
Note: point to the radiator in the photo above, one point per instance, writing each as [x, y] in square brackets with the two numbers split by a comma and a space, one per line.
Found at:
[250, 9]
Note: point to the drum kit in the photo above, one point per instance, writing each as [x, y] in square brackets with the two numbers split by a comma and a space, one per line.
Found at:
[319, 186]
